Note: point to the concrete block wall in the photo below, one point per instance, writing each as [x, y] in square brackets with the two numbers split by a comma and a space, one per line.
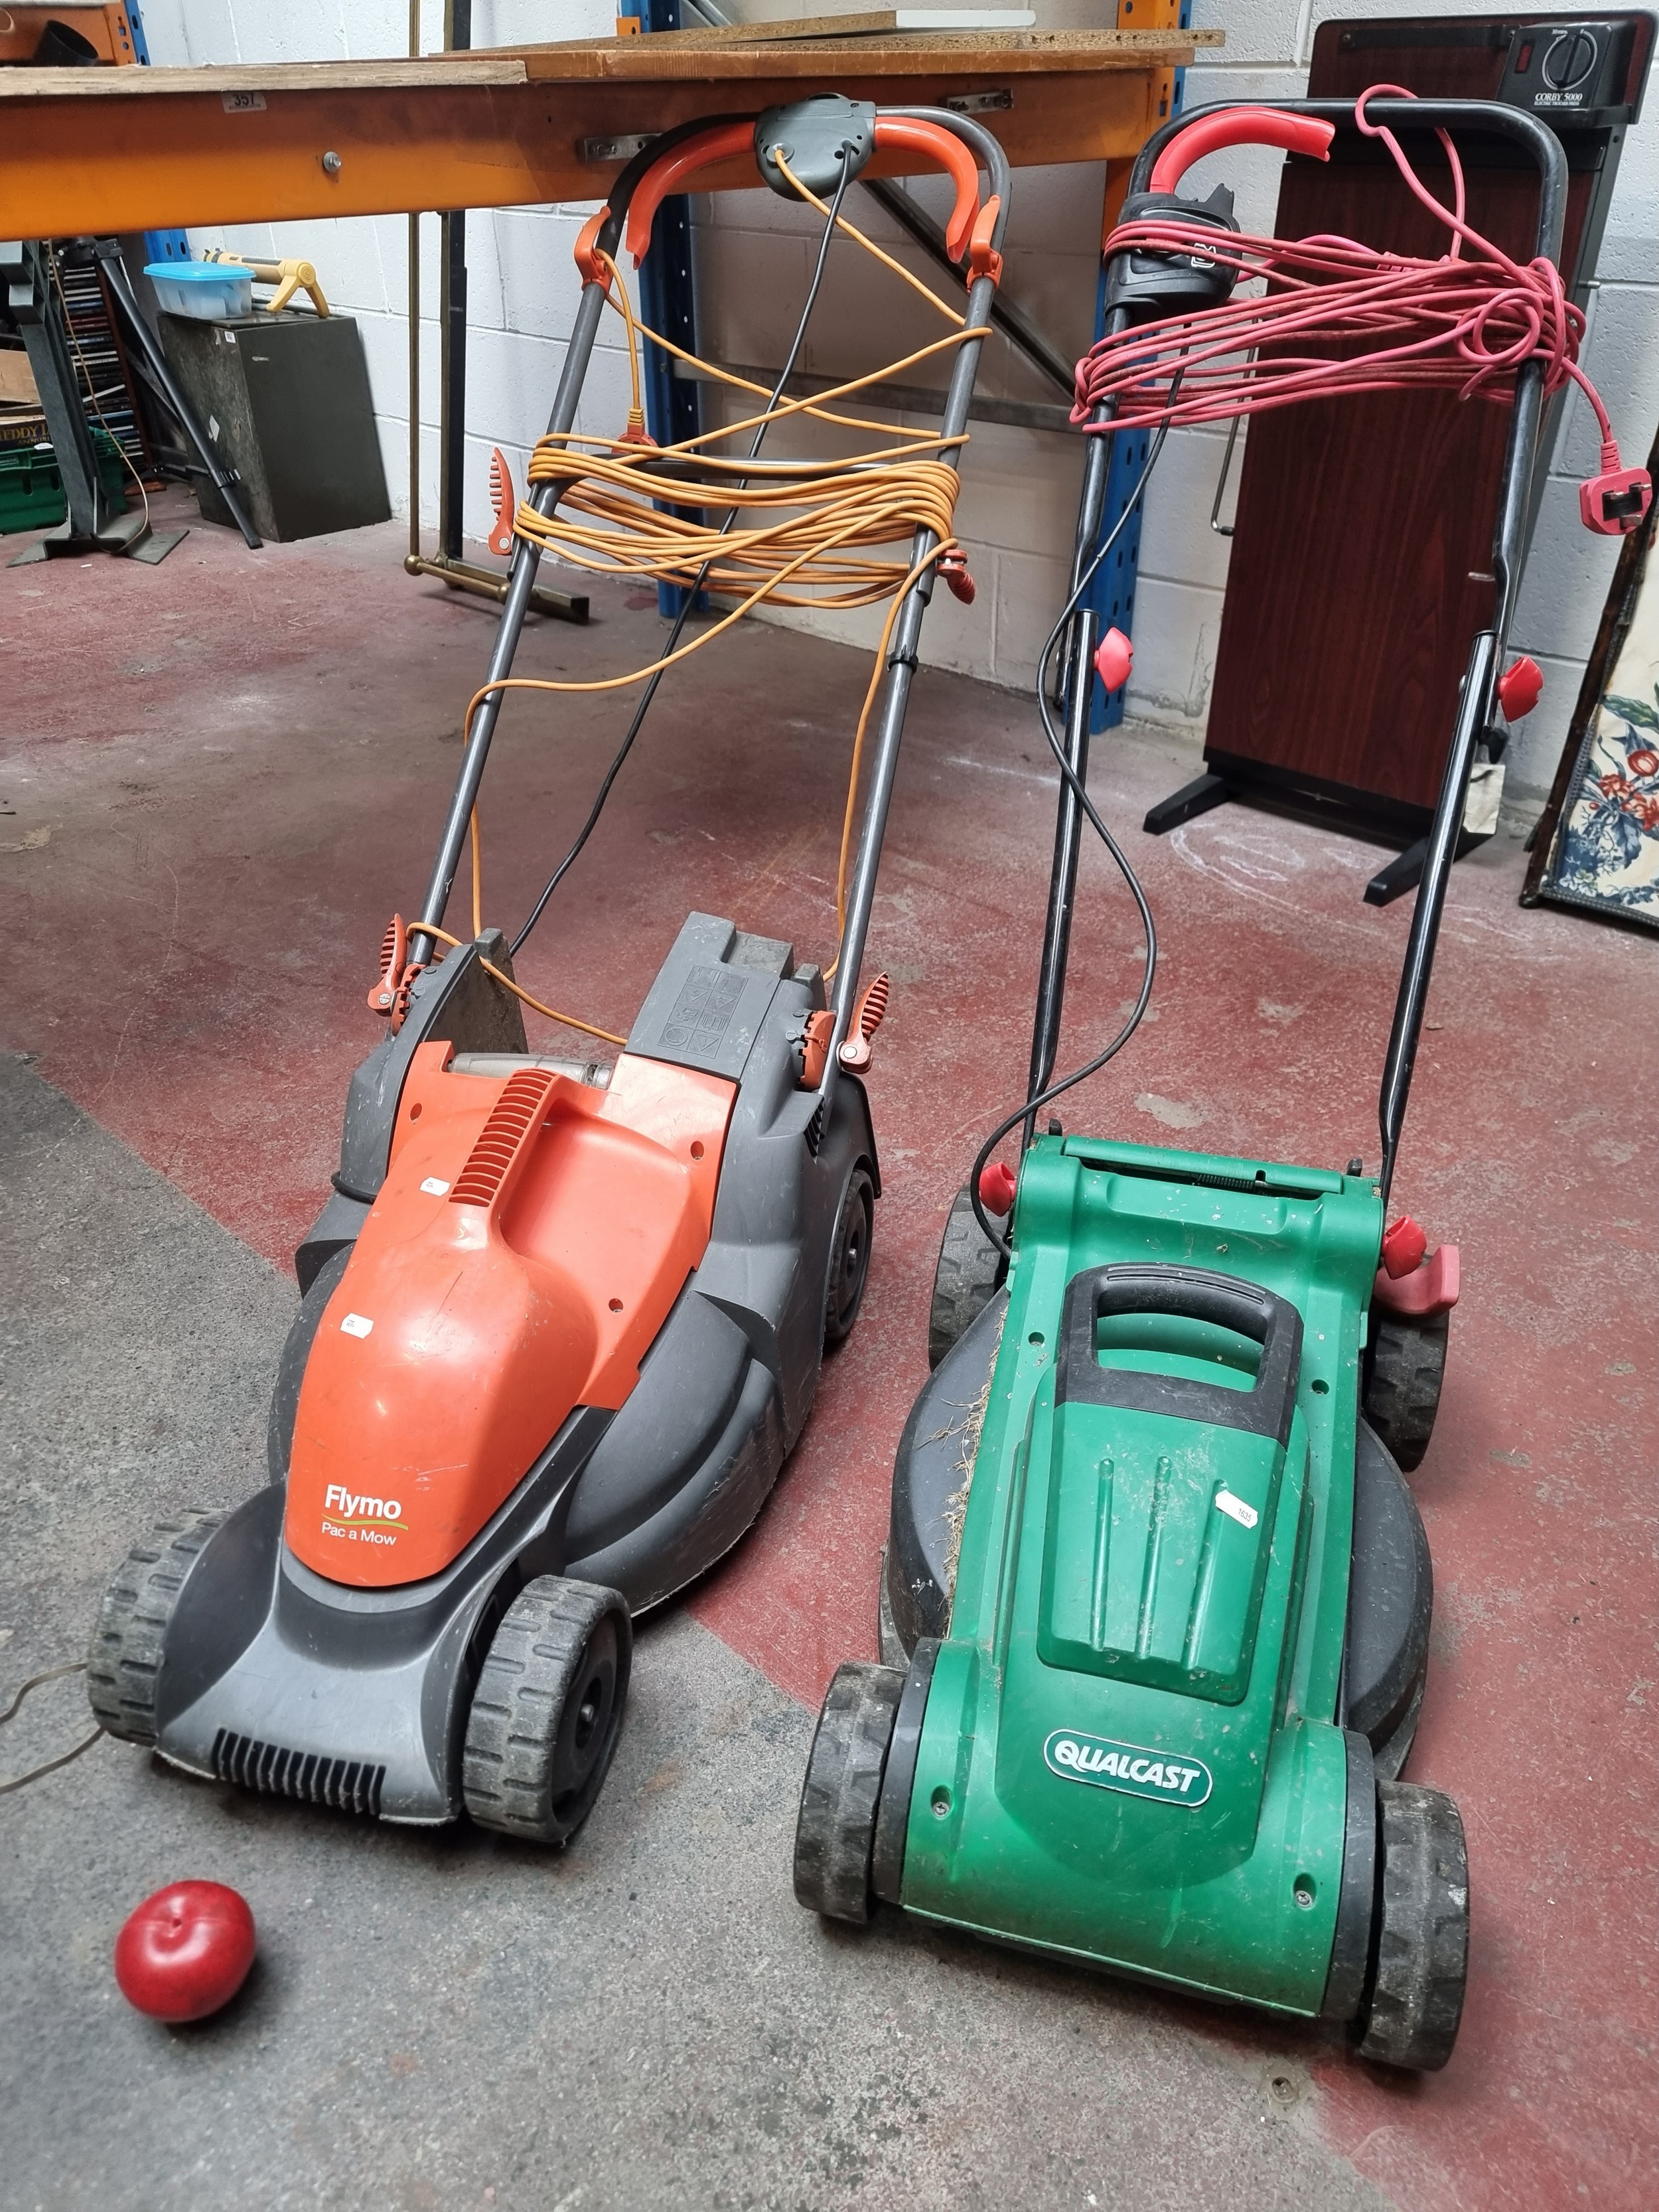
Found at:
[1020, 487]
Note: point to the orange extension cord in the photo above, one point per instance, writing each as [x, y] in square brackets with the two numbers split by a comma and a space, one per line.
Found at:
[812, 546]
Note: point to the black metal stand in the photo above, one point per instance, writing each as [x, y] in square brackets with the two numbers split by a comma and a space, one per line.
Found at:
[94, 523]
[1197, 797]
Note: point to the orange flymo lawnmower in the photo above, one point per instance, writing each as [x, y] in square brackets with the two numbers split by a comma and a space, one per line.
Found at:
[561, 1321]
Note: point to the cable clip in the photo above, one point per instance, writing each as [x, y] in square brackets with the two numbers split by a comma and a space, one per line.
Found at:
[867, 1018]
[983, 260]
[590, 268]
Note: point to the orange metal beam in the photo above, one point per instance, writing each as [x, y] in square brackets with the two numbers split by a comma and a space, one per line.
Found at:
[99, 150]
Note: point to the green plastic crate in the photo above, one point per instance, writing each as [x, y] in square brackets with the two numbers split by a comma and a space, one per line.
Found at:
[32, 487]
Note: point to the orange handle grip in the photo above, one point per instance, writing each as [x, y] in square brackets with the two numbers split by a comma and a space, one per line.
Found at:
[1240, 126]
[725, 142]
[944, 147]
[722, 142]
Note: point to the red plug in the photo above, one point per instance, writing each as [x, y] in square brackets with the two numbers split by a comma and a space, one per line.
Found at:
[1520, 688]
[996, 1186]
[1114, 657]
[1614, 502]
[1404, 1245]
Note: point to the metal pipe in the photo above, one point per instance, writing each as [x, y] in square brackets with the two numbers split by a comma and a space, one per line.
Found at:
[1013, 321]
[1473, 712]
[489, 583]
[902, 663]
[522, 577]
[108, 252]
[414, 331]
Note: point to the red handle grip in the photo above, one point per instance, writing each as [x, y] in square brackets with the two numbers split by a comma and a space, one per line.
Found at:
[1240, 126]
[721, 141]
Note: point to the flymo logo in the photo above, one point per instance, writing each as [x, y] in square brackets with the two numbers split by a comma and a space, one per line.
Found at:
[1129, 1767]
[364, 1520]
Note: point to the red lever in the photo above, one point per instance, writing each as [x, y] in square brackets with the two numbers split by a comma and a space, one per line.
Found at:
[1404, 1244]
[996, 1186]
[721, 141]
[1239, 126]
[944, 147]
[1114, 657]
[1520, 688]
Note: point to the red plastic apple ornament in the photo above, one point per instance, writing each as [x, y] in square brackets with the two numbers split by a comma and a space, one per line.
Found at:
[186, 1951]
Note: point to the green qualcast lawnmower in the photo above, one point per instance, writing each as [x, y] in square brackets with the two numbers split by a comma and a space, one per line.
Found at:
[1156, 1598]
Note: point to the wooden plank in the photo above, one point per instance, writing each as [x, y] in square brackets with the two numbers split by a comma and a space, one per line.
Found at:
[659, 59]
[868, 22]
[175, 153]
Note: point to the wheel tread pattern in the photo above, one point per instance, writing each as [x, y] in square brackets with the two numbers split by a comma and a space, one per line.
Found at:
[123, 1662]
[509, 1761]
[1422, 1939]
[965, 1277]
[835, 1827]
[1405, 1365]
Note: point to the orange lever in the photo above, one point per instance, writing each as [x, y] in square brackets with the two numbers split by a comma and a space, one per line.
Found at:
[867, 1018]
[501, 490]
[394, 956]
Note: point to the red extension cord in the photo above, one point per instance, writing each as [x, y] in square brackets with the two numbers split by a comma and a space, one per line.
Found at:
[1462, 323]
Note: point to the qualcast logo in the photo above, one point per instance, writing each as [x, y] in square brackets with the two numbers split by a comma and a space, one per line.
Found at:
[363, 1520]
[1129, 1767]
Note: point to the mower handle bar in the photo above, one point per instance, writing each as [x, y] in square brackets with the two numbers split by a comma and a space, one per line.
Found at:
[1488, 115]
[1214, 128]
[980, 150]
[1203, 130]
[670, 169]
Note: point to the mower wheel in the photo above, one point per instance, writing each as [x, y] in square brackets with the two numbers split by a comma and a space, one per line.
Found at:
[1405, 1365]
[548, 1709]
[124, 1664]
[966, 1277]
[835, 1827]
[849, 1258]
[1410, 2015]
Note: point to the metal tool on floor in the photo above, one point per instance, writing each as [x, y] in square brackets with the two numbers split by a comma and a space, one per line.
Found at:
[562, 1319]
[1155, 1599]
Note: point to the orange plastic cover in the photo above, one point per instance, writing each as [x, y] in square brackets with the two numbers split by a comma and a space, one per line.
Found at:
[530, 1239]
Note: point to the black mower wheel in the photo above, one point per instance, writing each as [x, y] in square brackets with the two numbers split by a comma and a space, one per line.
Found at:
[124, 1663]
[1405, 1366]
[966, 1277]
[291, 1367]
[835, 1827]
[1410, 2014]
[548, 1709]
[849, 1258]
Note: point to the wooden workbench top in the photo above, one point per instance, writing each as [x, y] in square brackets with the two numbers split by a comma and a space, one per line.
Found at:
[663, 60]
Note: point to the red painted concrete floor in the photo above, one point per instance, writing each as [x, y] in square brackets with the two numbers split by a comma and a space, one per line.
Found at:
[221, 776]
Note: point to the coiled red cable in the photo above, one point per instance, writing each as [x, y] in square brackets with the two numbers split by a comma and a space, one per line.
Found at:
[1337, 318]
